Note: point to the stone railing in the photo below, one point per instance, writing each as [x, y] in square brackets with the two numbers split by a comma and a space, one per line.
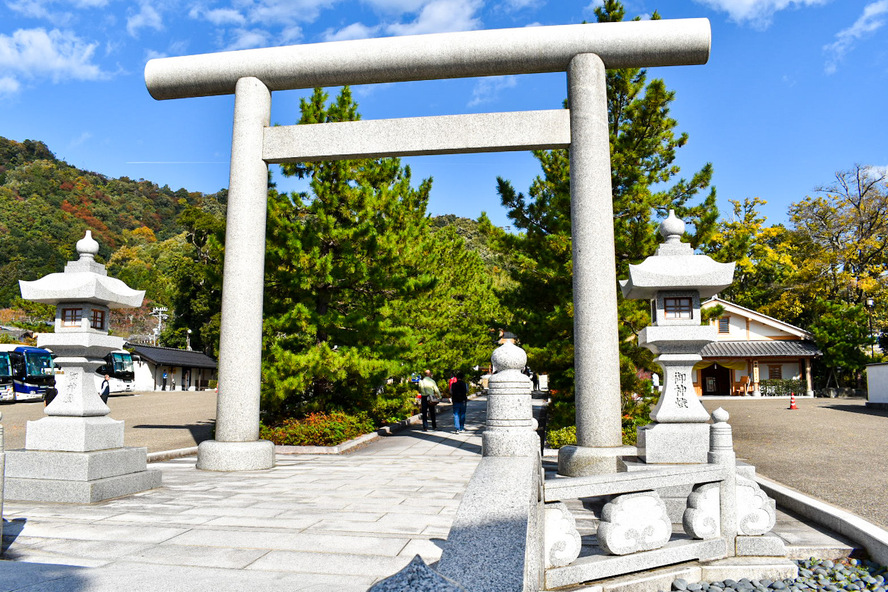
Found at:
[529, 537]
[2, 473]
[726, 515]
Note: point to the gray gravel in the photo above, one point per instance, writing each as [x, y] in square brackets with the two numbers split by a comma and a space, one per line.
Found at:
[852, 575]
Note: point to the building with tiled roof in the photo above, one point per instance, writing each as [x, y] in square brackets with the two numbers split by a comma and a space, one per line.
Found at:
[752, 347]
[183, 369]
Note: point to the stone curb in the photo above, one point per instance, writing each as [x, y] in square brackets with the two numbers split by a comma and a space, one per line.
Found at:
[873, 538]
[171, 454]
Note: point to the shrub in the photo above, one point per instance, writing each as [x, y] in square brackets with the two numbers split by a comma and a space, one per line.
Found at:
[393, 404]
[562, 437]
[318, 429]
[635, 413]
[781, 388]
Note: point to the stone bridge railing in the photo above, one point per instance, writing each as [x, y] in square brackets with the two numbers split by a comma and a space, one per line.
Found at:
[514, 530]
[727, 514]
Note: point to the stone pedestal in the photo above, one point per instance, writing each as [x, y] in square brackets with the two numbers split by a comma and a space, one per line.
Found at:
[77, 477]
[673, 443]
[76, 460]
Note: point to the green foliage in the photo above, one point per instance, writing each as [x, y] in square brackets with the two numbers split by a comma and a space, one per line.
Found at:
[46, 206]
[359, 286]
[566, 436]
[317, 429]
[395, 403]
[841, 333]
[781, 387]
[197, 297]
[764, 260]
[636, 412]
[643, 149]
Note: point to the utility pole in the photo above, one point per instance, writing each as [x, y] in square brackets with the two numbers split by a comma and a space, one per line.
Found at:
[159, 312]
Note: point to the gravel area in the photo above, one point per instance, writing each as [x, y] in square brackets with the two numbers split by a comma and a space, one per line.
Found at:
[815, 575]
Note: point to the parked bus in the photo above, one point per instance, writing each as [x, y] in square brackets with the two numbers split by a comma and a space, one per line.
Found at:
[7, 390]
[33, 371]
[119, 367]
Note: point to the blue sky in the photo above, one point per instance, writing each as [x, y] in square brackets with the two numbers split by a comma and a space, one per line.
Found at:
[794, 89]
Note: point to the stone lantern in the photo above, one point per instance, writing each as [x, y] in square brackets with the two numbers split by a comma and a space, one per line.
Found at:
[674, 280]
[76, 453]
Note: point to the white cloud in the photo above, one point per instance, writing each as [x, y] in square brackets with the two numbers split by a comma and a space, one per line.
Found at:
[147, 17]
[9, 86]
[248, 39]
[352, 31]
[224, 16]
[80, 140]
[757, 13]
[440, 16]
[396, 6]
[36, 53]
[516, 5]
[874, 17]
[488, 89]
[277, 12]
[291, 35]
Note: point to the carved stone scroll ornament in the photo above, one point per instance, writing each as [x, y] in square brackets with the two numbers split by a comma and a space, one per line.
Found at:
[634, 522]
[756, 512]
[562, 539]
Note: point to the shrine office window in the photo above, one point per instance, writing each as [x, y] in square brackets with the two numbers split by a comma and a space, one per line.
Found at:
[724, 325]
[98, 320]
[678, 308]
[71, 317]
[775, 372]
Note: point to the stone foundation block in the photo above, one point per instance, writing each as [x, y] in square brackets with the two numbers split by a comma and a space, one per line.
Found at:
[754, 568]
[80, 492]
[74, 466]
[74, 434]
[767, 545]
[674, 443]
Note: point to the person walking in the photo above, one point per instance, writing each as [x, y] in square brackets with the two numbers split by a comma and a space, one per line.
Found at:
[430, 395]
[106, 389]
[459, 396]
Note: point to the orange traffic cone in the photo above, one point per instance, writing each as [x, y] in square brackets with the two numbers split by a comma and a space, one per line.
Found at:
[792, 404]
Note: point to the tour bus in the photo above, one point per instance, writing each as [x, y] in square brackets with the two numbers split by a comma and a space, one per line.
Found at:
[119, 367]
[7, 390]
[33, 371]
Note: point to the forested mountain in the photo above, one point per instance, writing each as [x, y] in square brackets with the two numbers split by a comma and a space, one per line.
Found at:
[47, 204]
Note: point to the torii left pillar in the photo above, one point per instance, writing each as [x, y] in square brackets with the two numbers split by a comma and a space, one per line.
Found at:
[237, 446]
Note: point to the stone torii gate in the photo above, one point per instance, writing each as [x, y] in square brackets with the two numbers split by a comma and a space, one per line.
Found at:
[582, 51]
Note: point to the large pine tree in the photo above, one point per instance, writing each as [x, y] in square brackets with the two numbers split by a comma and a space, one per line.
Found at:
[643, 144]
[359, 287]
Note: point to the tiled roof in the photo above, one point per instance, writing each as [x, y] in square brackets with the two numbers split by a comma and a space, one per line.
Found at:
[169, 356]
[770, 349]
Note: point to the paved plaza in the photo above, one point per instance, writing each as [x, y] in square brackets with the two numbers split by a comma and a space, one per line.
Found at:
[314, 522]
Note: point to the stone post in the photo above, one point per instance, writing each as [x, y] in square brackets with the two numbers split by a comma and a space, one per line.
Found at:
[501, 510]
[510, 424]
[2, 474]
[721, 452]
[596, 348]
[237, 446]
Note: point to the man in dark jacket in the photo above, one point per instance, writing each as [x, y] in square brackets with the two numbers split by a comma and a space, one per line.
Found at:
[459, 396]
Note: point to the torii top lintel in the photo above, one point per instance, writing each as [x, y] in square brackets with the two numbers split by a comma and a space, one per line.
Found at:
[496, 52]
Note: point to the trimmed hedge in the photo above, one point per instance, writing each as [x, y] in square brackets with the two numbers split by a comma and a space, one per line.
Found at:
[318, 429]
